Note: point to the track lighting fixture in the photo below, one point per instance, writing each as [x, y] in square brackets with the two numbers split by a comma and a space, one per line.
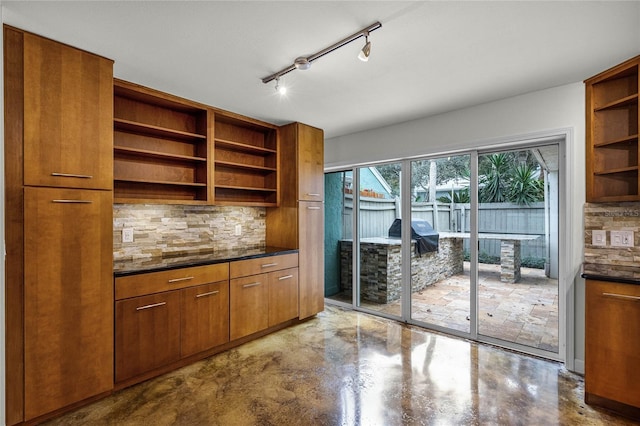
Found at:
[304, 62]
[366, 50]
[281, 89]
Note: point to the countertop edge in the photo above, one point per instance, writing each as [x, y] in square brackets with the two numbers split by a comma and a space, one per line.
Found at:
[201, 262]
[610, 279]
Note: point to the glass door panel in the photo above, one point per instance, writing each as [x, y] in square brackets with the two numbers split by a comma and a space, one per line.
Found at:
[518, 246]
[380, 261]
[440, 271]
[338, 236]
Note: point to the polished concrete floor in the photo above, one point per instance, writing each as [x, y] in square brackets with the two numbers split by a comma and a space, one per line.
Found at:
[350, 368]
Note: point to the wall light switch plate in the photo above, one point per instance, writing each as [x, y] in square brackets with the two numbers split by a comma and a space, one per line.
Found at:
[622, 238]
[598, 237]
[127, 235]
[238, 230]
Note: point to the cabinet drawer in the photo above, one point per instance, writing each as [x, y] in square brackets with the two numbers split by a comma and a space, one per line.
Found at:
[243, 268]
[155, 282]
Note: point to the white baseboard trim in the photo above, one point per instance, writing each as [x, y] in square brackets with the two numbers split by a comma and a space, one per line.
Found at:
[578, 365]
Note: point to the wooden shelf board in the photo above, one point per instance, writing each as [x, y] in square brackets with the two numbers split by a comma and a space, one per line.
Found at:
[245, 188]
[619, 103]
[160, 182]
[219, 202]
[156, 154]
[260, 169]
[148, 129]
[625, 140]
[137, 200]
[237, 146]
[620, 170]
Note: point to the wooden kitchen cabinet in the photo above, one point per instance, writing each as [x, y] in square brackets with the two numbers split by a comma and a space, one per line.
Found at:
[612, 377]
[612, 134]
[58, 220]
[298, 222]
[263, 293]
[68, 99]
[204, 317]
[147, 333]
[68, 293]
[283, 296]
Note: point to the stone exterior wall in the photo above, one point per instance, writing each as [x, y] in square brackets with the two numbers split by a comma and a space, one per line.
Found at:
[380, 267]
[172, 230]
[620, 262]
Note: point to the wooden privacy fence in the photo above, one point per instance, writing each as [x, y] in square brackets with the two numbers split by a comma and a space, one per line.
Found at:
[377, 215]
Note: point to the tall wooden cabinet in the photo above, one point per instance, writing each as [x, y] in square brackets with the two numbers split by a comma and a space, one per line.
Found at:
[302, 204]
[58, 171]
[612, 134]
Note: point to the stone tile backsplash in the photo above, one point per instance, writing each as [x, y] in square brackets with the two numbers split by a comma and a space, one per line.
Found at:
[172, 230]
[621, 262]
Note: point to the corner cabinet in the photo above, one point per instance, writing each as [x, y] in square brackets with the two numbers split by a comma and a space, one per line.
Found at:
[59, 255]
[612, 134]
[612, 350]
[299, 220]
[161, 147]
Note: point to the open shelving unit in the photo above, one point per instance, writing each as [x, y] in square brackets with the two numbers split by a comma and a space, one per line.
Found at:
[246, 162]
[612, 134]
[161, 147]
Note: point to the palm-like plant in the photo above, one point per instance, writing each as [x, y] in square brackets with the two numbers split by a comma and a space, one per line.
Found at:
[495, 187]
[525, 187]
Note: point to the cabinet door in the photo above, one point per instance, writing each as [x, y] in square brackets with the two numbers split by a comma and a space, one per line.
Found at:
[310, 163]
[283, 296]
[249, 301]
[68, 297]
[68, 116]
[205, 317]
[147, 333]
[311, 258]
[612, 346]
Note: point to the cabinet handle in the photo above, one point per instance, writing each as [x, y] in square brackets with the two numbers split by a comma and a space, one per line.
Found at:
[209, 293]
[72, 201]
[313, 208]
[286, 277]
[71, 175]
[154, 305]
[269, 265]
[621, 296]
[251, 285]
[177, 280]
[312, 195]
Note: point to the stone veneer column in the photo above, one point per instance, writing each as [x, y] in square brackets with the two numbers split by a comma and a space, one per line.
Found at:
[510, 261]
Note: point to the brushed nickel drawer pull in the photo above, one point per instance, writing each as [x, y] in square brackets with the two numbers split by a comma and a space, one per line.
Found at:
[177, 280]
[621, 296]
[71, 175]
[269, 265]
[312, 194]
[286, 277]
[209, 293]
[72, 201]
[154, 305]
[313, 208]
[251, 285]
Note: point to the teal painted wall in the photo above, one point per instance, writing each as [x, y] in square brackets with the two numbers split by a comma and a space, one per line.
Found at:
[333, 200]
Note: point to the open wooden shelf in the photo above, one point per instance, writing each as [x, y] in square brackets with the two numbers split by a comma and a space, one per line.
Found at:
[612, 134]
[155, 154]
[246, 167]
[242, 147]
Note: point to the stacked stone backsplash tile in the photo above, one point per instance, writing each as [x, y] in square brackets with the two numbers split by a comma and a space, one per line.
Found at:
[173, 230]
[620, 262]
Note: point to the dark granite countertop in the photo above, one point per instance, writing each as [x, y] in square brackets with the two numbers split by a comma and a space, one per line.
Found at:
[611, 279]
[154, 264]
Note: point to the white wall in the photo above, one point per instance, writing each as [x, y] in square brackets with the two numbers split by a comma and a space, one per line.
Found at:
[541, 113]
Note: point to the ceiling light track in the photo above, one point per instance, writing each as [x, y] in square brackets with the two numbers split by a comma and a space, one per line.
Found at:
[304, 63]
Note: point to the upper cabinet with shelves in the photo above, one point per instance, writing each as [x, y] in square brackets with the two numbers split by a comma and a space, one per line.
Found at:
[161, 147]
[612, 134]
[246, 161]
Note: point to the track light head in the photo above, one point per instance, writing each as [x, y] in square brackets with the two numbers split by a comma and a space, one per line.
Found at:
[281, 89]
[366, 50]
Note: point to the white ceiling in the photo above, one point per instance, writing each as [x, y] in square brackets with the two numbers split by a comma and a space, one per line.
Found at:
[428, 57]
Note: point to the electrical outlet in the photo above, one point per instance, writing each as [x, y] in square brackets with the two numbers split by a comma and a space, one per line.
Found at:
[238, 230]
[622, 239]
[127, 235]
[598, 237]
